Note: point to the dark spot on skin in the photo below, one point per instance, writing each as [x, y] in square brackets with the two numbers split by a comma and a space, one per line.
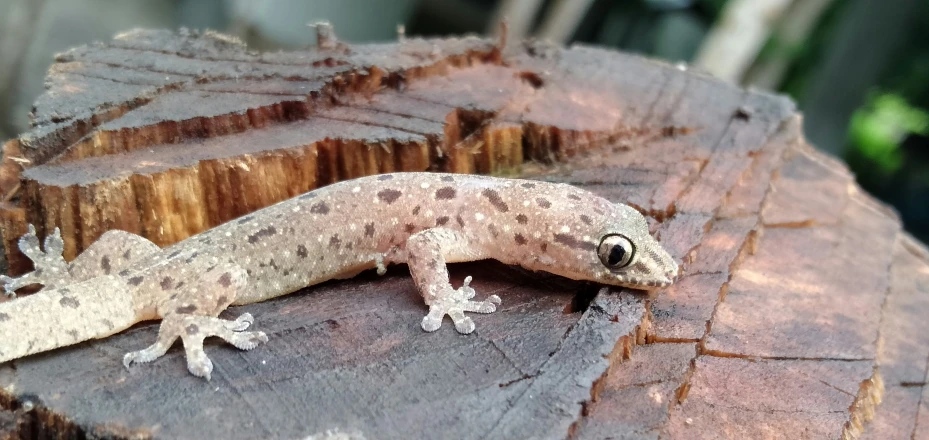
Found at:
[409, 228]
[586, 219]
[190, 308]
[389, 196]
[179, 285]
[448, 179]
[369, 229]
[543, 202]
[108, 324]
[416, 210]
[192, 329]
[309, 195]
[335, 242]
[72, 333]
[320, 208]
[67, 301]
[544, 246]
[433, 265]
[135, 281]
[225, 279]
[573, 197]
[166, 283]
[522, 219]
[4, 317]
[127, 254]
[38, 272]
[384, 177]
[191, 257]
[265, 232]
[743, 113]
[105, 264]
[533, 79]
[222, 301]
[460, 220]
[445, 193]
[174, 254]
[573, 242]
[273, 264]
[124, 272]
[301, 251]
[245, 219]
[528, 185]
[520, 240]
[441, 221]
[493, 230]
[350, 246]
[494, 198]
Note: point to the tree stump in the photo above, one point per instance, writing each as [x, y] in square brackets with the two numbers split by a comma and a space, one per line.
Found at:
[801, 312]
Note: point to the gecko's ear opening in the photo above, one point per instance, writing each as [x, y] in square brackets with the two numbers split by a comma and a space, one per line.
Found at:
[616, 251]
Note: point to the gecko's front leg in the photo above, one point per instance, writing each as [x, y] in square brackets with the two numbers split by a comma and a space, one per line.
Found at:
[190, 314]
[427, 253]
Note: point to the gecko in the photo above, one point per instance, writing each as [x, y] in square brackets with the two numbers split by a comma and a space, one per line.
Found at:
[421, 219]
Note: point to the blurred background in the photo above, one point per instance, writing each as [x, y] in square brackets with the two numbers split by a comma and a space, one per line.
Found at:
[858, 69]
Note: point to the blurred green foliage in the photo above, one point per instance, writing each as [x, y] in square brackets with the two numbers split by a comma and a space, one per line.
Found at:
[878, 129]
[888, 137]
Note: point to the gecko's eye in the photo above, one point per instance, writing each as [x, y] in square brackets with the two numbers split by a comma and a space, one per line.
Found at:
[615, 251]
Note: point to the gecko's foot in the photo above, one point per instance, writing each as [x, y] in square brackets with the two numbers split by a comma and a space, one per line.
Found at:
[193, 329]
[50, 266]
[9, 286]
[455, 303]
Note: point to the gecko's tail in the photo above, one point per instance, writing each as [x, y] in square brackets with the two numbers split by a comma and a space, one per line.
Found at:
[60, 317]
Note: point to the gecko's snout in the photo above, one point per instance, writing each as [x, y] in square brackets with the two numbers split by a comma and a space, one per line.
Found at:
[672, 275]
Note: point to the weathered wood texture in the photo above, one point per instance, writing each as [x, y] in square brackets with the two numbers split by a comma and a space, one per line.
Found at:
[801, 309]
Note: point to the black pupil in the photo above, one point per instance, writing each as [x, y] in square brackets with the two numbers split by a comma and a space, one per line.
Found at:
[616, 255]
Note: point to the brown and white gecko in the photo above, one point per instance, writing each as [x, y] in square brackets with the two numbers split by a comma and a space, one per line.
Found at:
[422, 219]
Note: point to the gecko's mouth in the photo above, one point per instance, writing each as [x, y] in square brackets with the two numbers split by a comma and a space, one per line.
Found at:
[635, 282]
[649, 280]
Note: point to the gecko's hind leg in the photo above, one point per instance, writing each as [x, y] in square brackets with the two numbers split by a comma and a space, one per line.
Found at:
[191, 316]
[427, 252]
[50, 267]
[112, 252]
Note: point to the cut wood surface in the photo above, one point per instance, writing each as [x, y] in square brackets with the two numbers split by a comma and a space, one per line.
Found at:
[800, 314]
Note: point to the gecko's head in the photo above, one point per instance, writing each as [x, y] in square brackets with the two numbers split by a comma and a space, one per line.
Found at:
[610, 245]
[627, 255]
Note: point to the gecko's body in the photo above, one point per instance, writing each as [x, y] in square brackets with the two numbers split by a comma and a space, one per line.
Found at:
[422, 219]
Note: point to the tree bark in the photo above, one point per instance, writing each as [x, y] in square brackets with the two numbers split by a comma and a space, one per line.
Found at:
[800, 310]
